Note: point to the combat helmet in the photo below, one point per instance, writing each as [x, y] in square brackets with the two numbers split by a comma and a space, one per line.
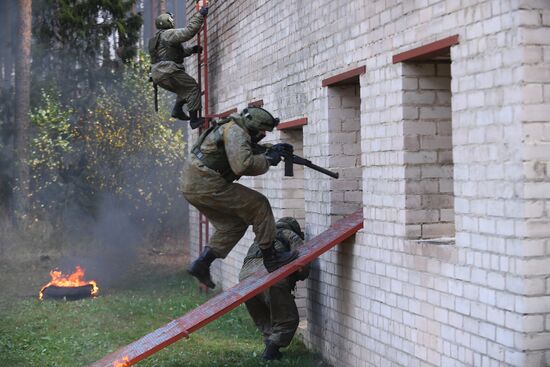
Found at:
[291, 224]
[165, 21]
[256, 118]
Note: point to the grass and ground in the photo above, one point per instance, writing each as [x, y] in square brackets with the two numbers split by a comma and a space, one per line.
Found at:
[77, 333]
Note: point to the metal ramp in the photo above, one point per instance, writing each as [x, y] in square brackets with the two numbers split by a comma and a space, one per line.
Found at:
[231, 298]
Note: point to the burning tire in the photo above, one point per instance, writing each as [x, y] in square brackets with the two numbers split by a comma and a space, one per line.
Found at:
[70, 287]
[68, 293]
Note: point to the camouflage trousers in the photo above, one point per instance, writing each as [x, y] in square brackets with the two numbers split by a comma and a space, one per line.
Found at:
[275, 314]
[231, 211]
[185, 87]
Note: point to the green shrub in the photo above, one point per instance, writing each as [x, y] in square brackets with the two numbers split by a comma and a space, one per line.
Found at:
[119, 149]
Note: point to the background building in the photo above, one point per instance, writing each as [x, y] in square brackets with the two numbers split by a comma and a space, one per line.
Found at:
[436, 114]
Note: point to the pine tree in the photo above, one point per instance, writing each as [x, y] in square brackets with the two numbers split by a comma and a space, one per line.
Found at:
[72, 36]
[22, 103]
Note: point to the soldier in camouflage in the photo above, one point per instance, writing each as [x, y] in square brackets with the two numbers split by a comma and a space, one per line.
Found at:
[274, 311]
[167, 54]
[222, 154]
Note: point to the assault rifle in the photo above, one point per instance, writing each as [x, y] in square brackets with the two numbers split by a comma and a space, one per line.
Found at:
[291, 159]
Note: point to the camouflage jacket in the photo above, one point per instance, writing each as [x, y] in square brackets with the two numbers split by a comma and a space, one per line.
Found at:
[232, 142]
[286, 240]
[170, 39]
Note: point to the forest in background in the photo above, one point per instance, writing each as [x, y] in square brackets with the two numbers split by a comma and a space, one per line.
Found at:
[83, 155]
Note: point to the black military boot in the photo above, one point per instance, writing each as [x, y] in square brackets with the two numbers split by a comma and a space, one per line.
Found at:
[200, 268]
[273, 260]
[195, 120]
[177, 111]
[271, 352]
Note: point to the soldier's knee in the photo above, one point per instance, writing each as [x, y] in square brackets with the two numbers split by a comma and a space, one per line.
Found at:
[293, 323]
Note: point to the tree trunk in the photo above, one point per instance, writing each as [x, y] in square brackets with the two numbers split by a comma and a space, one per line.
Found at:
[162, 6]
[3, 43]
[7, 44]
[22, 104]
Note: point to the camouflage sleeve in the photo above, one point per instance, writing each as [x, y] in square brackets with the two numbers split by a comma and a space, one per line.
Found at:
[187, 51]
[293, 239]
[295, 242]
[180, 35]
[250, 266]
[239, 153]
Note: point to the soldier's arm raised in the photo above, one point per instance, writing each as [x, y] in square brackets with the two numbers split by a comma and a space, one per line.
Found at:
[180, 35]
[239, 153]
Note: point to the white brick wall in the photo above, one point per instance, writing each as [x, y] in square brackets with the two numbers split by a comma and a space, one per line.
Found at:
[382, 299]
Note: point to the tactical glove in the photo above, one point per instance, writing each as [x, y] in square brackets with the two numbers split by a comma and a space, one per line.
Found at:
[273, 157]
[196, 49]
[204, 11]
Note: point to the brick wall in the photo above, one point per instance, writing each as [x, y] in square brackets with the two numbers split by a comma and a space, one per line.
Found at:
[383, 297]
[533, 263]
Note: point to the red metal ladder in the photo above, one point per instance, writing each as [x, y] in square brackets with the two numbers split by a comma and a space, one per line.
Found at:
[202, 67]
[231, 298]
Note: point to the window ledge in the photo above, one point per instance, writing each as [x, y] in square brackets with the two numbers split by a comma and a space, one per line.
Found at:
[293, 124]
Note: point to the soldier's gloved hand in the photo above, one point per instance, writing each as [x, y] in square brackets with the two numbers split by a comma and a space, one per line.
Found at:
[274, 157]
[204, 11]
[196, 49]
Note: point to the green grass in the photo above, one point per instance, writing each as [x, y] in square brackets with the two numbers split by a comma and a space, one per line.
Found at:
[77, 333]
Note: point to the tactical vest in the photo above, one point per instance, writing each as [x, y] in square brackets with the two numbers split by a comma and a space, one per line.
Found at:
[163, 51]
[217, 160]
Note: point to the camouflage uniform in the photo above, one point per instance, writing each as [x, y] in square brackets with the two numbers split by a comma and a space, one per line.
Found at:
[167, 54]
[274, 311]
[222, 154]
[229, 206]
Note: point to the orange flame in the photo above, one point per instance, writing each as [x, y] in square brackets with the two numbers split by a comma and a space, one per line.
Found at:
[124, 362]
[75, 279]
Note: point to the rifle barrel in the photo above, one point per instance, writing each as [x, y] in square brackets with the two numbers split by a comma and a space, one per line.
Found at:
[306, 162]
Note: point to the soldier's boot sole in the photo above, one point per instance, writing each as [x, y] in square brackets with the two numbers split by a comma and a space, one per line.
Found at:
[177, 111]
[202, 272]
[196, 122]
[271, 353]
[180, 115]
